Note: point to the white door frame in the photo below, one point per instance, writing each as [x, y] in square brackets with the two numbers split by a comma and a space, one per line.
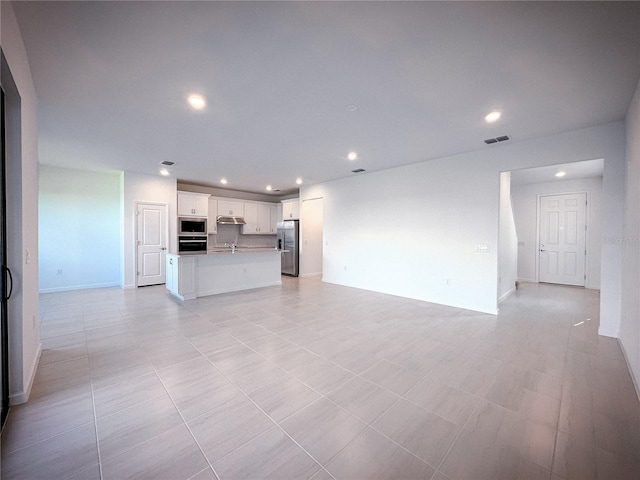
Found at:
[135, 233]
[587, 221]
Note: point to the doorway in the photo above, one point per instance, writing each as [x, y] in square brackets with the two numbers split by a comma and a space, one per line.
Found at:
[311, 247]
[151, 243]
[562, 229]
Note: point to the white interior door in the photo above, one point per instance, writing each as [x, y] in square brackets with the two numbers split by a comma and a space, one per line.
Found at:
[151, 243]
[562, 233]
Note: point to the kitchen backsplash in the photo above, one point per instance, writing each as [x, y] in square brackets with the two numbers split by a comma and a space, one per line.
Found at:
[232, 234]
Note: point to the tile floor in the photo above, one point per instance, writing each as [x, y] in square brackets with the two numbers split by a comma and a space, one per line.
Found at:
[311, 380]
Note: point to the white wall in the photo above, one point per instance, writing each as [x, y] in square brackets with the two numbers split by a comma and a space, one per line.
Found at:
[311, 223]
[508, 241]
[525, 205]
[22, 205]
[630, 322]
[149, 189]
[79, 229]
[440, 210]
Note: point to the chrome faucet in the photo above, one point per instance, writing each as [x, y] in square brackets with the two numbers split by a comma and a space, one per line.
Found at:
[232, 246]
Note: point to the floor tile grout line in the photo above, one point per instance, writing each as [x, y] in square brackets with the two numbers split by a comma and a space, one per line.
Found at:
[404, 396]
[186, 424]
[368, 424]
[564, 377]
[267, 415]
[562, 397]
[95, 422]
[45, 439]
[453, 442]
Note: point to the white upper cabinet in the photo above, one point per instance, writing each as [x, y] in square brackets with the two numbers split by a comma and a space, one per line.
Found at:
[212, 223]
[258, 218]
[273, 219]
[231, 208]
[290, 209]
[193, 204]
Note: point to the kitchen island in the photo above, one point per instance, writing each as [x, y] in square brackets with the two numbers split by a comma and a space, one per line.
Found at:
[222, 271]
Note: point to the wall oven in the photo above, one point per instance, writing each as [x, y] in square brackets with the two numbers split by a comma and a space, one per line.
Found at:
[192, 226]
[192, 244]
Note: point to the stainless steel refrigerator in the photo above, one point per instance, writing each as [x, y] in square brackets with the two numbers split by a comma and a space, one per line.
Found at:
[289, 241]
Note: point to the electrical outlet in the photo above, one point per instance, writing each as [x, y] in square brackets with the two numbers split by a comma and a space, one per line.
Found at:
[447, 282]
[59, 272]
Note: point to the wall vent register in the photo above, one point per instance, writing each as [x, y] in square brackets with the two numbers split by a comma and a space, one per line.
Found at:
[502, 138]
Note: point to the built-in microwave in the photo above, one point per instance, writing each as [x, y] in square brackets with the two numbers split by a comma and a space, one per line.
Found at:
[192, 244]
[192, 226]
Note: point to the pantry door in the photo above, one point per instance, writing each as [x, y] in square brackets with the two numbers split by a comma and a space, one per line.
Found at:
[562, 233]
[152, 238]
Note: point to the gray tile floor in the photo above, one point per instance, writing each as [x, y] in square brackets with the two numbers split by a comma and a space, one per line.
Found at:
[311, 380]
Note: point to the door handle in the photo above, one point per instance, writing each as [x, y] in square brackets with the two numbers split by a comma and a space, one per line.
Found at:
[11, 279]
[163, 248]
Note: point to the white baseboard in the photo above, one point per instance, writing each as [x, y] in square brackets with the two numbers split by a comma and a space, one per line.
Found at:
[527, 280]
[504, 296]
[252, 286]
[23, 396]
[78, 287]
[317, 274]
[606, 333]
[636, 381]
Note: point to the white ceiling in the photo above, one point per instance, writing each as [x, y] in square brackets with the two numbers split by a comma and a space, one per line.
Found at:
[112, 78]
[573, 171]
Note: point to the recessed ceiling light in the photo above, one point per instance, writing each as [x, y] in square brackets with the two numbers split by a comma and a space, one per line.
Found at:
[299, 181]
[164, 172]
[223, 181]
[269, 188]
[196, 101]
[493, 116]
[352, 108]
[561, 174]
[352, 155]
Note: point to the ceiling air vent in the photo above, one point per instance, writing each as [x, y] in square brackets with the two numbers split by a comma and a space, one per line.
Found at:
[502, 138]
[167, 163]
[358, 170]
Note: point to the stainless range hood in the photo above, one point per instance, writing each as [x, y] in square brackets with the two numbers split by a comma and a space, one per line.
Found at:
[226, 220]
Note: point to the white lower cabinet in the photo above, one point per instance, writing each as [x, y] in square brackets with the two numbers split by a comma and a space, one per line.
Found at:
[192, 276]
[181, 276]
